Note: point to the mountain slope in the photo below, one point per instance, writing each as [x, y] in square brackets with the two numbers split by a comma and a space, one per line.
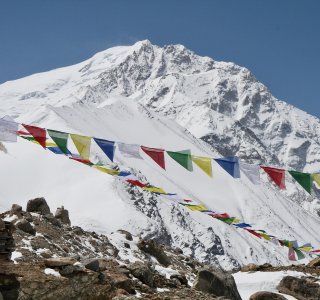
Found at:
[173, 99]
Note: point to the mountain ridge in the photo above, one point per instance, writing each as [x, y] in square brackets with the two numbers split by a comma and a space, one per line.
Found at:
[153, 96]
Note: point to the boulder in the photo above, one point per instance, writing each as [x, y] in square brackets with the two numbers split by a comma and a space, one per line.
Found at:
[218, 283]
[16, 209]
[62, 215]
[50, 218]
[66, 270]
[142, 272]
[127, 234]
[155, 250]
[300, 288]
[38, 205]
[182, 279]
[266, 296]
[314, 263]
[91, 264]
[59, 262]
[25, 226]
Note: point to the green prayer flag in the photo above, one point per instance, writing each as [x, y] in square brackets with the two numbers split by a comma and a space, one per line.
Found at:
[304, 179]
[182, 158]
[299, 254]
[60, 138]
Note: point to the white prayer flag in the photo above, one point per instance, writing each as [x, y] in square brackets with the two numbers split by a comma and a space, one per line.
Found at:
[251, 171]
[8, 129]
[129, 150]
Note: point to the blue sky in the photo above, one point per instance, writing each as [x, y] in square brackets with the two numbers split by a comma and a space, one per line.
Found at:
[278, 40]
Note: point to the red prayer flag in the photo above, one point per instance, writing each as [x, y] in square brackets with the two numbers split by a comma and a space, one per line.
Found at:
[39, 134]
[253, 232]
[277, 175]
[84, 161]
[220, 216]
[136, 182]
[156, 154]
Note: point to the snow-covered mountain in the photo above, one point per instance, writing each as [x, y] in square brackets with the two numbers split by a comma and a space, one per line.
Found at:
[173, 99]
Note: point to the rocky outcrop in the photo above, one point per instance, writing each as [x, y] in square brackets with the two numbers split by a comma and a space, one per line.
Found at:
[155, 250]
[25, 226]
[63, 215]
[65, 262]
[266, 296]
[38, 205]
[301, 288]
[218, 283]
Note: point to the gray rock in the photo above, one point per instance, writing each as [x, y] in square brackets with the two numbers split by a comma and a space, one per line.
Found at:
[66, 270]
[127, 234]
[25, 226]
[50, 218]
[300, 288]
[38, 205]
[156, 250]
[142, 272]
[63, 215]
[218, 283]
[59, 262]
[16, 209]
[182, 279]
[91, 264]
[266, 296]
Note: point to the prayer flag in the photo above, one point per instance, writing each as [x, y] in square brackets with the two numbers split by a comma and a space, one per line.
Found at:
[84, 161]
[61, 139]
[299, 253]
[251, 171]
[230, 165]
[277, 175]
[242, 225]
[154, 189]
[82, 144]
[156, 154]
[8, 129]
[291, 254]
[129, 150]
[304, 179]
[105, 170]
[184, 159]
[204, 163]
[136, 182]
[106, 146]
[316, 179]
[39, 134]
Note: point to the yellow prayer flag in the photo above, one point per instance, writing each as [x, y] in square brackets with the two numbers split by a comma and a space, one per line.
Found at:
[82, 144]
[265, 236]
[204, 163]
[105, 170]
[316, 178]
[154, 190]
[197, 207]
[305, 249]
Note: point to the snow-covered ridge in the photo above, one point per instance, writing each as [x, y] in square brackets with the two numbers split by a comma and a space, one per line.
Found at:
[173, 99]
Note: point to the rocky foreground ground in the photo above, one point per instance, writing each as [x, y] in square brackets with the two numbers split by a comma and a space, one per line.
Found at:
[43, 257]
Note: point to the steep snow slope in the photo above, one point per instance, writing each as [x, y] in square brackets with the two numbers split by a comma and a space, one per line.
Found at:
[113, 96]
